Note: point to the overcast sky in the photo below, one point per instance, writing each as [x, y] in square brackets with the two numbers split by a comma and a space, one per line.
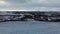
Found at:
[40, 5]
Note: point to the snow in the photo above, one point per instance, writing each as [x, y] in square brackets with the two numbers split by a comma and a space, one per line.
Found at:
[29, 27]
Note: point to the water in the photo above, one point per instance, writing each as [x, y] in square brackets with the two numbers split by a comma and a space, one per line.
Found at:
[29, 27]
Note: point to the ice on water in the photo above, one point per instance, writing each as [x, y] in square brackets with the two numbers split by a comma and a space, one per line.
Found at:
[29, 27]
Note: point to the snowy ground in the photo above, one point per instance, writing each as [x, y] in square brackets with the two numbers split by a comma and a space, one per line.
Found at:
[29, 27]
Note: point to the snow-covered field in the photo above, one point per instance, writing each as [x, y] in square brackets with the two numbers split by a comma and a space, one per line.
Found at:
[29, 27]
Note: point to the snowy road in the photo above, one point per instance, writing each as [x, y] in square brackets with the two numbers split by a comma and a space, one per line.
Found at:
[29, 27]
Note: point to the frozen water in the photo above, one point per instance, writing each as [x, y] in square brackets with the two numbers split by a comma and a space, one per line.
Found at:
[29, 27]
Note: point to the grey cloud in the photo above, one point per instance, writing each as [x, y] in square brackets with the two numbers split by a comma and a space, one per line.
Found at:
[30, 4]
[16, 1]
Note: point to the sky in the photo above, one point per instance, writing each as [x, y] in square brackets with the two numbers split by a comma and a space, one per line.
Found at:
[38, 5]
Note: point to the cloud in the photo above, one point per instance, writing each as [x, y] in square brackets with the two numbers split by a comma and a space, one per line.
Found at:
[30, 5]
[3, 3]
